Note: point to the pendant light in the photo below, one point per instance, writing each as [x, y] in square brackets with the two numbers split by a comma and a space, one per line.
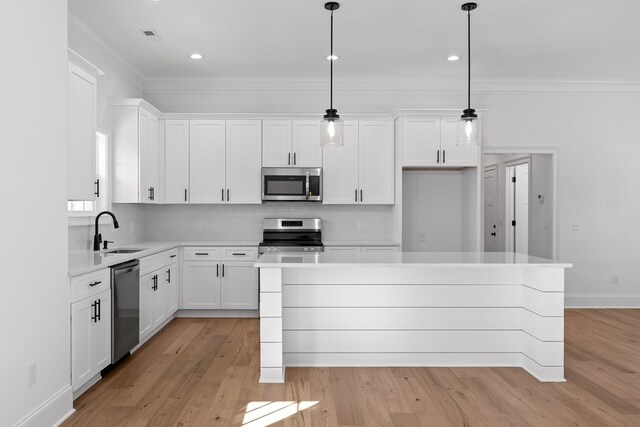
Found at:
[468, 125]
[331, 127]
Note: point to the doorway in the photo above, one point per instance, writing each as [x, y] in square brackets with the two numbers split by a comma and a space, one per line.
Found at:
[491, 208]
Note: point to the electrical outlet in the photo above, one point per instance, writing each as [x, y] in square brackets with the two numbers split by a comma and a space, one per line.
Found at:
[361, 225]
[422, 236]
[576, 226]
[615, 279]
[199, 225]
[32, 374]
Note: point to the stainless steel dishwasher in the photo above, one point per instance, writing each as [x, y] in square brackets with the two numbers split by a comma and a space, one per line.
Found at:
[125, 308]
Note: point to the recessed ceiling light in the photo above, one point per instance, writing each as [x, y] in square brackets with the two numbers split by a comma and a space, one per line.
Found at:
[195, 56]
[333, 57]
[453, 58]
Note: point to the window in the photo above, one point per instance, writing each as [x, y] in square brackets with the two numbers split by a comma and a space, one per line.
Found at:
[91, 207]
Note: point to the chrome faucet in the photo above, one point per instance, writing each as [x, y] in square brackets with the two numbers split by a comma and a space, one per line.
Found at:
[97, 237]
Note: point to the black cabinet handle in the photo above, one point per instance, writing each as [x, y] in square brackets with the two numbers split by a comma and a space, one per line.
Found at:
[94, 306]
[294, 159]
[217, 270]
[356, 194]
[444, 156]
[227, 194]
[438, 157]
[95, 283]
[97, 193]
[493, 234]
[361, 195]
[172, 256]
[99, 309]
[152, 193]
[222, 270]
[222, 194]
[239, 254]
[289, 161]
[202, 253]
[185, 194]
[169, 276]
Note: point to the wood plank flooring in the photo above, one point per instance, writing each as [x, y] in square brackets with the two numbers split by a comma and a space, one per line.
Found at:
[204, 372]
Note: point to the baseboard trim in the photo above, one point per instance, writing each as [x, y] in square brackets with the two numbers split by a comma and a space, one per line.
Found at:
[250, 314]
[86, 386]
[602, 301]
[53, 412]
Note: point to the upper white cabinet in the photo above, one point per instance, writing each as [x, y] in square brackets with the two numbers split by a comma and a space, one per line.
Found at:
[136, 152]
[291, 143]
[176, 170]
[361, 171]
[225, 161]
[81, 108]
[430, 141]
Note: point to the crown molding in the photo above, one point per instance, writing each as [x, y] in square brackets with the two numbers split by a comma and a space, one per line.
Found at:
[82, 37]
[484, 85]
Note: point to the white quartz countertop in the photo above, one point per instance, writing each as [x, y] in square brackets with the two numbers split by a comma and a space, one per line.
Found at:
[360, 243]
[405, 259]
[84, 262]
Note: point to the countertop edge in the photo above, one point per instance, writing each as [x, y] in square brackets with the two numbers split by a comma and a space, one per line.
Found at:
[409, 264]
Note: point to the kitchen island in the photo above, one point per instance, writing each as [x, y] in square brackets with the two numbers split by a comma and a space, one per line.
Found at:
[411, 309]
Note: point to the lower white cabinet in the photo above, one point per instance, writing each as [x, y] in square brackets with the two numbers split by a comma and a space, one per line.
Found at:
[358, 249]
[222, 283]
[90, 337]
[172, 289]
[159, 292]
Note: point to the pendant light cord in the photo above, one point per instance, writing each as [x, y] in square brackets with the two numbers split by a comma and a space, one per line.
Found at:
[331, 65]
[469, 59]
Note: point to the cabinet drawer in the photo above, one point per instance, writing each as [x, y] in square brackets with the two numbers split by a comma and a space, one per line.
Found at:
[379, 249]
[151, 263]
[171, 256]
[90, 284]
[240, 254]
[202, 254]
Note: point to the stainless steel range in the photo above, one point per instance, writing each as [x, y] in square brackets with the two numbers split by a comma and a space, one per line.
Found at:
[291, 235]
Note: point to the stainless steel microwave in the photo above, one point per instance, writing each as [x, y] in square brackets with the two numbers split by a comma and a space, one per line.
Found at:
[292, 184]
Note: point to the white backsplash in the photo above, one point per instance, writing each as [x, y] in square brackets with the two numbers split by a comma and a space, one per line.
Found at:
[244, 222]
[130, 220]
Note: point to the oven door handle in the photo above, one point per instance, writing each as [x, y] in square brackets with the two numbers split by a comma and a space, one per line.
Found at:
[307, 187]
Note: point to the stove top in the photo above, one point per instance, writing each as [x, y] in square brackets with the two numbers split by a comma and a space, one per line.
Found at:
[291, 235]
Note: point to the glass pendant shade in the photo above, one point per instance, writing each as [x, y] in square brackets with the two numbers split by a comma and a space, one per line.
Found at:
[331, 132]
[467, 132]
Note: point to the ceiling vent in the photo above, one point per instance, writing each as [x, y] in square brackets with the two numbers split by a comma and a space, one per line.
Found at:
[151, 34]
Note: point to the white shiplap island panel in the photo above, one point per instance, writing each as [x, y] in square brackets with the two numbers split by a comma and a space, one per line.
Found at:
[411, 309]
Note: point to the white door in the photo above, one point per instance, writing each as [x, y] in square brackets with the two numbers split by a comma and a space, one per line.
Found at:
[201, 285]
[239, 286]
[420, 141]
[517, 207]
[453, 154]
[244, 154]
[176, 145]
[490, 209]
[171, 289]
[207, 161]
[276, 144]
[158, 312]
[340, 169]
[307, 151]
[377, 163]
[81, 116]
[146, 314]
[101, 333]
[81, 362]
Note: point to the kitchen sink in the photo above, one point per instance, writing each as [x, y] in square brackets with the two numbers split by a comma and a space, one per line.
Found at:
[122, 251]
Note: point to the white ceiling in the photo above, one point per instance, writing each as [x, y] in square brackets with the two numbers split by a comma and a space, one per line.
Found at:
[556, 39]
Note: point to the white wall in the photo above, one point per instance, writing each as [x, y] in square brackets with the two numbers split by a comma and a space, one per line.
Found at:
[237, 222]
[34, 308]
[119, 81]
[587, 122]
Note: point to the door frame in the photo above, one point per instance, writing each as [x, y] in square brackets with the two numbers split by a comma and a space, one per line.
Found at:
[524, 160]
[553, 151]
[486, 167]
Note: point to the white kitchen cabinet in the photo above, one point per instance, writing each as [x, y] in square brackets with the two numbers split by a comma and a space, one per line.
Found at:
[239, 286]
[81, 123]
[147, 284]
[431, 141]
[90, 337]
[291, 143]
[207, 161]
[379, 249]
[377, 165]
[176, 146]
[358, 249]
[361, 171]
[136, 152]
[201, 285]
[171, 289]
[243, 159]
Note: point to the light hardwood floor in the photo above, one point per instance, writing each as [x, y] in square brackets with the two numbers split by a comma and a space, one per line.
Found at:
[204, 372]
